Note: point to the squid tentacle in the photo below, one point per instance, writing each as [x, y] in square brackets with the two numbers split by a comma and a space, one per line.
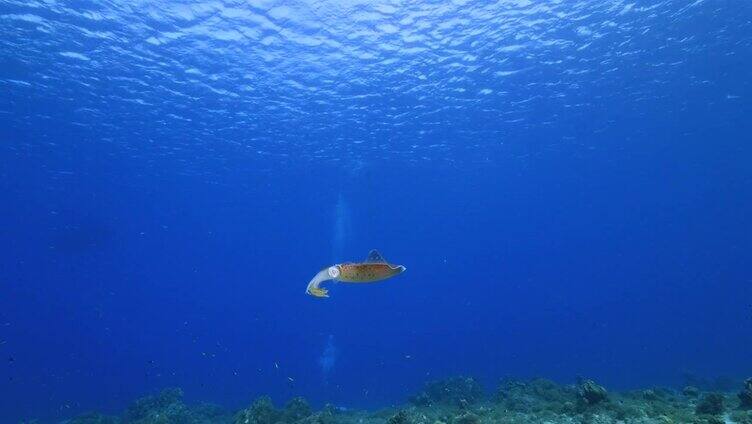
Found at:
[314, 286]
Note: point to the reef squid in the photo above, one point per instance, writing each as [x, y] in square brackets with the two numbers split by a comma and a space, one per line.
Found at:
[373, 269]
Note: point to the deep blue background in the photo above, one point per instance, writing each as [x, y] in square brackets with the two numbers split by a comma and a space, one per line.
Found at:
[621, 254]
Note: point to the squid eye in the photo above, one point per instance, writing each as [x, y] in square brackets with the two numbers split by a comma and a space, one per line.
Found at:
[333, 271]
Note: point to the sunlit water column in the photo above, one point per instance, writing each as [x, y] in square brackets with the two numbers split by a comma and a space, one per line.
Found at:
[342, 229]
[328, 358]
[341, 232]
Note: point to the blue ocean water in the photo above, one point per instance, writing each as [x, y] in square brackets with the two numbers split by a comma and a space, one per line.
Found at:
[569, 184]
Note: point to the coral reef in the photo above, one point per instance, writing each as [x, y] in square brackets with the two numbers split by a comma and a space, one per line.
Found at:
[94, 418]
[710, 404]
[461, 401]
[591, 393]
[459, 391]
[538, 395]
[717, 384]
[166, 407]
[295, 410]
[401, 417]
[168, 401]
[466, 418]
[261, 411]
[745, 396]
[741, 417]
[691, 391]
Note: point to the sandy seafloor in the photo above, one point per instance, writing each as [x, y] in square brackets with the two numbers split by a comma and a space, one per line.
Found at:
[462, 400]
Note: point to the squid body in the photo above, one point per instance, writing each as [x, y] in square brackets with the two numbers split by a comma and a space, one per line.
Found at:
[375, 268]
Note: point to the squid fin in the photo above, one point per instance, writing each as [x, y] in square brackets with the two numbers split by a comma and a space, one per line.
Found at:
[375, 257]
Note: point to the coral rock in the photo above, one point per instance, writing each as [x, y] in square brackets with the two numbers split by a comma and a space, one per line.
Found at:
[93, 418]
[399, 418]
[166, 407]
[591, 393]
[262, 411]
[710, 404]
[457, 391]
[691, 391]
[296, 409]
[466, 418]
[745, 396]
